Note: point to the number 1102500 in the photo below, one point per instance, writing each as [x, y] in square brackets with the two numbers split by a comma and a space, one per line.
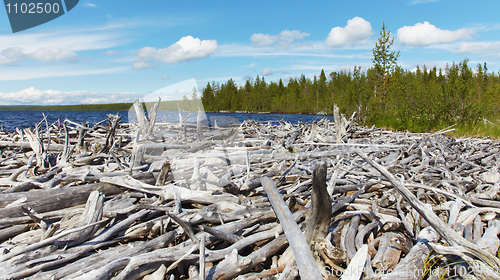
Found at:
[33, 8]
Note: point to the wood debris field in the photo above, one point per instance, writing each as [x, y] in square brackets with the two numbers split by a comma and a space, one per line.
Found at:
[271, 200]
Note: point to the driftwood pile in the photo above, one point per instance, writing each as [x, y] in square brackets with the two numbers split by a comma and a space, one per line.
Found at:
[250, 201]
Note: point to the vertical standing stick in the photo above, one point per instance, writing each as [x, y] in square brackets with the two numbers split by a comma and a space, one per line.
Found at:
[141, 117]
[199, 134]
[338, 122]
[153, 112]
[318, 220]
[306, 264]
[202, 259]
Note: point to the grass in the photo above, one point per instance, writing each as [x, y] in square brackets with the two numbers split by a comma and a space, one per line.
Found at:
[490, 130]
[478, 129]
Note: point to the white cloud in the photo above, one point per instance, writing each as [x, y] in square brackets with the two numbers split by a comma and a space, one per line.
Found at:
[479, 47]
[66, 40]
[259, 39]
[165, 77]
[33, 96]
[14, 55]
[138, 65]
[19, 73]
[267, 72]
[285, 39]
[52, 54]
[88, 4]
[111, 52]
[11, 56]
[251, 65]
[356, 32]
[424, 34]
[186, 49]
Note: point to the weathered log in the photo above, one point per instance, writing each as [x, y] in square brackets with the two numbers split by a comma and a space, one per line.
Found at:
[351, 236]
[353, 271]
[302, 253]
[168, 192]
[489, 241]
[27, 146]
[412, 266]
[91, 214]
[52, 199]
[318, 220]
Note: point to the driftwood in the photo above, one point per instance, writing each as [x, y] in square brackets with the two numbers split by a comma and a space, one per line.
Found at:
[303, 256]
[178, 199]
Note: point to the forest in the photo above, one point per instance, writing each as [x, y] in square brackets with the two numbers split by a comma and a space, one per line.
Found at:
[385, 95]
[423, 100]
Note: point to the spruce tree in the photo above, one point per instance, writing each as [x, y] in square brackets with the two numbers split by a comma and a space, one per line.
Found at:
[384, 60]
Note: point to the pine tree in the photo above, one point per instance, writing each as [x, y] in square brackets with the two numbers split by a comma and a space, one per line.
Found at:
[384, 60]
[208, 98]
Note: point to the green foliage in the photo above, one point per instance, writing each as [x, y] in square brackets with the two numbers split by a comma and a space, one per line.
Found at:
[384, 62]
[423, 100]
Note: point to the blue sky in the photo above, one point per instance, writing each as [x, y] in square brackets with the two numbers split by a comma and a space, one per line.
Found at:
[117, 51]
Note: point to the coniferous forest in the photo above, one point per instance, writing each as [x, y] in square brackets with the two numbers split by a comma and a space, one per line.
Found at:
[385, 95]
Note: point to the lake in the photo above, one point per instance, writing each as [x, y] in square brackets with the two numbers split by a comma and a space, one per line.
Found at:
[22, 119]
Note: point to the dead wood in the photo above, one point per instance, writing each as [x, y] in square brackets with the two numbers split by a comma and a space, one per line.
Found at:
[300, 248]
[318, 220]
[154, 196]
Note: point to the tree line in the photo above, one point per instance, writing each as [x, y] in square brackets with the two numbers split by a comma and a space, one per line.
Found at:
[384, 95]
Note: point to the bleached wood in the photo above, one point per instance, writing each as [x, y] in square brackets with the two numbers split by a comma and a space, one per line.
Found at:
[443, 229]
[353, 271]
[303, 256]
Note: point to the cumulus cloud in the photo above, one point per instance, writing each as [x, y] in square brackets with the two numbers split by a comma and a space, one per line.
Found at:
[356, 32]
[424, 34]
[285, 39]
[165, 77]
[33, 96]
[267, 71]
[111, 52]
[14, 55]
[186, 49]
[260, 40]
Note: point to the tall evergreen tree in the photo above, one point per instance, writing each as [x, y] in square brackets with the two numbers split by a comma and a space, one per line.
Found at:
[384, 60]
[208, 98]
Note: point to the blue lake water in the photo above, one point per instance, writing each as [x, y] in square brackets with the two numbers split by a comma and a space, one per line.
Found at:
[22, 119]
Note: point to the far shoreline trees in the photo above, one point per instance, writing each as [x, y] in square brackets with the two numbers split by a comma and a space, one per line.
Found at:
[384, 95]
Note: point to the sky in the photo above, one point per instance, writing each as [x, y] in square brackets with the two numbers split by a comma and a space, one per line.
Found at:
[117, 51]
